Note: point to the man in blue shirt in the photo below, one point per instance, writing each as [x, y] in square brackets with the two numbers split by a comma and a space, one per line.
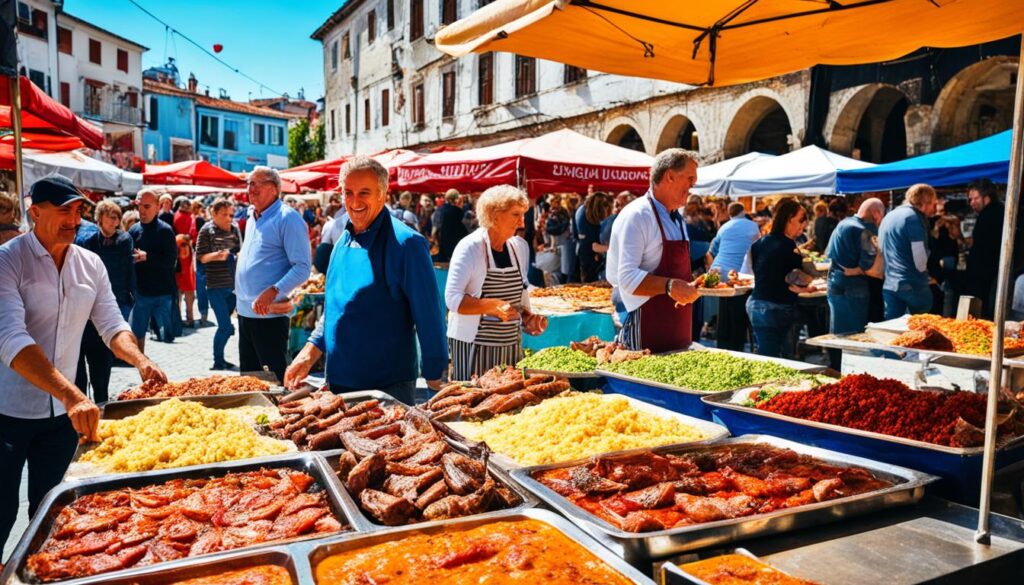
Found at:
[730, 250]
[903, 236]
[853, 252]
[274, 260]
[380, 297]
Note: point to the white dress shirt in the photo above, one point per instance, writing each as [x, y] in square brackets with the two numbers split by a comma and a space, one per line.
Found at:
[50, 309]
[634, 250]
[331, 232]
[466, 274]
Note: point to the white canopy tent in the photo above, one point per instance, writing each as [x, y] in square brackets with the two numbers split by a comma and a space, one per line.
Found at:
[84, 171]
[808, 171]
[714, 179]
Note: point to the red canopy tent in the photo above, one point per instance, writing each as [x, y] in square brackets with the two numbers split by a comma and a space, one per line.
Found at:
[560, 161]
[191, 172]
[293, 181]
[40, 112]
[322, 175]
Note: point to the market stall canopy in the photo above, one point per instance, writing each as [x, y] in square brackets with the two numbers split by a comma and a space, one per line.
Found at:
[191, 172]
[298, 181]
[567, 161]
[84, 171]
[809, 170]
[988, 158]
[469, 170]
[40, 112]
[723, 42]
[392, 160]
[327, 166]
[714, 179]
[196, 189]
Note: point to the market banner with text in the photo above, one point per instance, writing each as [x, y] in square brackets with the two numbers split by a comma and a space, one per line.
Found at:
[466, 176]
[564, 177]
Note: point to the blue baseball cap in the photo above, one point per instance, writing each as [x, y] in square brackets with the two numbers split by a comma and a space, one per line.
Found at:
[55, 189]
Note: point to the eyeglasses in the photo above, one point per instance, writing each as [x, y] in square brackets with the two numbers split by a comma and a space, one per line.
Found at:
[252, 184]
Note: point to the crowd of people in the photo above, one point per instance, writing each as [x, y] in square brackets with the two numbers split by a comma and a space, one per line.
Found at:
[91, 282]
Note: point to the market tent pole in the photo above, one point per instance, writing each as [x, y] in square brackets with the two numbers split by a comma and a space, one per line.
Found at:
[15, 88]
[995, 379]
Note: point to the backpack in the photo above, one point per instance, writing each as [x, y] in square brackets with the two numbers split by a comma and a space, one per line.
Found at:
[557, 224]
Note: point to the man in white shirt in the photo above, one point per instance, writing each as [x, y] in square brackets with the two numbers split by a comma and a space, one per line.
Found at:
[48, 290]
[649, 258]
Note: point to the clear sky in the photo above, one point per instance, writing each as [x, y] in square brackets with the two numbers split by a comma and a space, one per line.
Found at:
[265, 39]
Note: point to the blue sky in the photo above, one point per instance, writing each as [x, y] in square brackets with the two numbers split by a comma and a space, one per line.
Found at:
[266, 39]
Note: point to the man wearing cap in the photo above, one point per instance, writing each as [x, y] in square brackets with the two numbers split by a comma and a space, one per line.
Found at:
[48, 290]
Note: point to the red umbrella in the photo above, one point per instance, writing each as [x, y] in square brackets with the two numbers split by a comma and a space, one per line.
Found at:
[191, 172]
[39, 110]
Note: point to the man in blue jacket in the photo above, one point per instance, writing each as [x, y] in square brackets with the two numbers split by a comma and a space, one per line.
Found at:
[381, 297]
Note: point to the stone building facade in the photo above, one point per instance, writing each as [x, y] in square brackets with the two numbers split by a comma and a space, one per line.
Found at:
[387, 86]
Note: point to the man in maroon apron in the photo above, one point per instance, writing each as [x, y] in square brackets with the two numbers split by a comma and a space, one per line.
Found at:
[649, 259]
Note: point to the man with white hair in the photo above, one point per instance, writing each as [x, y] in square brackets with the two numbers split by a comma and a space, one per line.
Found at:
[853, 252]
[274, 260]
[381, 298]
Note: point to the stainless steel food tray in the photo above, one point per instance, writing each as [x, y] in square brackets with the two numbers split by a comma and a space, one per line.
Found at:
[711, 430]
[320, 550]
[635, 547]
[961, 360]
[281, 555]
[42, 523]
[673, 574]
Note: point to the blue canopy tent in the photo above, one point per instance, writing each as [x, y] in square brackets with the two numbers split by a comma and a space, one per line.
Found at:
[988, 158]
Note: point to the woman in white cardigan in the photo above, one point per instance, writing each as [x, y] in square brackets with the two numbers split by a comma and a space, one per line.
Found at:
[486, 292]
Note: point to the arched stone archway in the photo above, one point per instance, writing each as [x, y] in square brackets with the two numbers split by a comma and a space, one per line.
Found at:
[626, 136]
[871, 125]
[762, 125]
[977, 102]
[679, 132]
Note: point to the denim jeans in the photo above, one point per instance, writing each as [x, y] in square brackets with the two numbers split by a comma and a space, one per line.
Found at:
[156, 307]
[848, 304]
[773, 325]
[907, 299]
[202, 299]
[222, 301]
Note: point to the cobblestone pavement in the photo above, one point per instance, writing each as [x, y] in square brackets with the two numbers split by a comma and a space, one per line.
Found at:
[189, 355]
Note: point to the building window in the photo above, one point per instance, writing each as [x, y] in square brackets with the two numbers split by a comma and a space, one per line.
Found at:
[346, 46]
[122, 60]
[526, 76]
[449, 11]
[154, 113]
[276, 135]
[65, 94]
[230, 134]
[132, 98]
[391, 14]
[573, 74]
[95, 52]
[418, 107]
[371, 26]
[366, 115]
[415, 19]
[64, 40]
[38, 78]
[385, 107]
[208, 130]
[334, 55]
[259, 133]
[32, 21]
[485, 79]
[333, 135]
[348, 118]
[448, 94]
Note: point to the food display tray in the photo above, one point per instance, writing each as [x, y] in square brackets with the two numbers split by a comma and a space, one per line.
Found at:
[1011, 359]
[582, 381]
[42, 523]
[210, 565]
[322, 549]
[732, 291]
[673, 574]
[713, 431]
[636, 547]
[683, 400]
[959, 468]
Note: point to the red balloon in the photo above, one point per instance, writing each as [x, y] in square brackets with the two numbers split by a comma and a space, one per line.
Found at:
[218, 48]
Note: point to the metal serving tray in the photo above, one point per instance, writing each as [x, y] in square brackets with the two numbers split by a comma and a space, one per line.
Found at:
[638, 546]
[949, 358]
[684, 400]
[712, 430]
[368, 524]
[120, 410]
[321, 550]
[673, 574]
[959, 468]
[281, 556]
[42, 523]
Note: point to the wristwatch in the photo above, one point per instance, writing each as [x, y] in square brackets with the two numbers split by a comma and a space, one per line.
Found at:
[668, 287]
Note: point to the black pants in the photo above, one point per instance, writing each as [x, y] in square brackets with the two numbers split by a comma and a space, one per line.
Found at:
[47, 444]
[733, 323]
[94, 364]
[263, 343]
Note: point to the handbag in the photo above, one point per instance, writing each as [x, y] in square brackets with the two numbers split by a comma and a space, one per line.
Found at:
[548, 261]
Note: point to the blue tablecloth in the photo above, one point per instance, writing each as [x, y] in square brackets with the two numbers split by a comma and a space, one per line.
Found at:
[563, 329]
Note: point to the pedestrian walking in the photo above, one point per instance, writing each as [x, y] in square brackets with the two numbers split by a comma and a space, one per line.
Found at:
[155, 258]
[216, 251]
